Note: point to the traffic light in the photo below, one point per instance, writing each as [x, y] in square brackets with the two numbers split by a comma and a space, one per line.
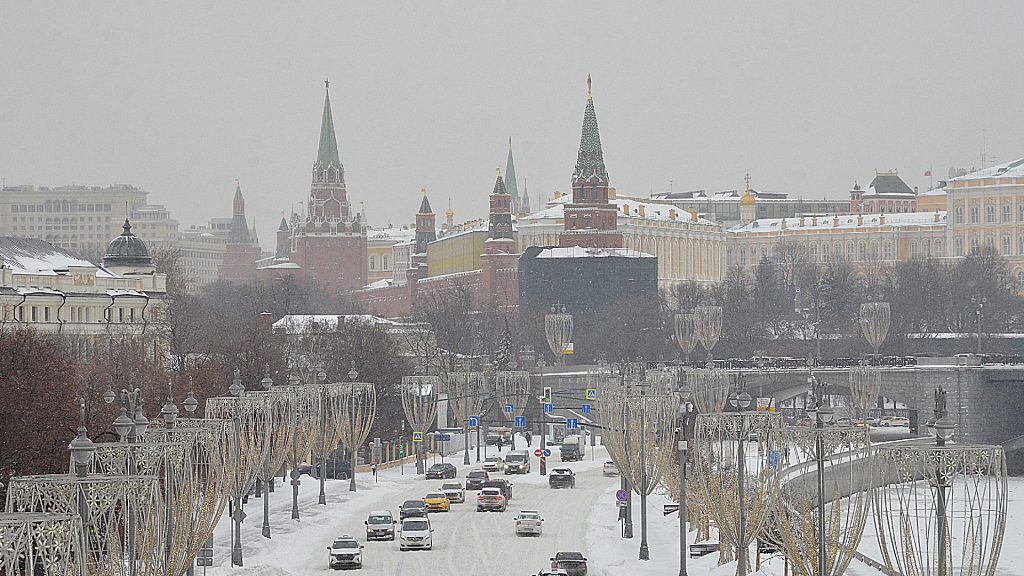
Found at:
[401, 449]
[547, 394]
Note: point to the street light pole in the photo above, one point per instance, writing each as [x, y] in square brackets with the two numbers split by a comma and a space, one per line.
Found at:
[823, 415]
[979, 305]
[645, 553]
[684, 424]
[741, 401]
[543, 424]
[627, 531]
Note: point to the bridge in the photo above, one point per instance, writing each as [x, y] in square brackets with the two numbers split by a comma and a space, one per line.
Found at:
[985, 401]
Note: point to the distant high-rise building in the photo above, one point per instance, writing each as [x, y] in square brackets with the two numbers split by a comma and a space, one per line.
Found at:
[83, 219]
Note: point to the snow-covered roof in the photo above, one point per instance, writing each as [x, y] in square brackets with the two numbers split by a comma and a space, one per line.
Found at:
[652, 211]
[580, 252]
[1014, 169]
[301, 323]
[934, 192]
[34, 256]
[282, 266]
[395, 234]
[828, 221]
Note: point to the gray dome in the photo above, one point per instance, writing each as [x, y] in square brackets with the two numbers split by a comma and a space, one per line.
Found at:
[127, 250]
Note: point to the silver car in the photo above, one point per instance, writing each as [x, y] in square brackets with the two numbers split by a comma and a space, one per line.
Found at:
[454, 491]
[529, 523]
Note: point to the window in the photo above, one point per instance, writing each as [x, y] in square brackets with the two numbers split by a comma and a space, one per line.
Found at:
[862, 251]
[990, 214]
[974, 243]
[887, 250]
[875, 254]
[373, 262]
[1006, 212]
[1020, 280]
[814, 252]
[387, 262]
[1006, 245]
[849, 250]
[974, 214]
[913, 250]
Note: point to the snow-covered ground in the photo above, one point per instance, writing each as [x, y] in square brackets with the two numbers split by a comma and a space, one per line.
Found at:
[613, 555]
[465, 541]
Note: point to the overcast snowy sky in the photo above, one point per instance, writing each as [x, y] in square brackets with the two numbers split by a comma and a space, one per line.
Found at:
[181, 98]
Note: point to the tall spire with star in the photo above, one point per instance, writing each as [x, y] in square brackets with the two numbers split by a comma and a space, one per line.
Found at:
[328, 201]
[510, 179]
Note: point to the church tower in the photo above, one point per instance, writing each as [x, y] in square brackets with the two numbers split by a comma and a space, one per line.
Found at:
[426, 225]
[590, 220]
[330, 247]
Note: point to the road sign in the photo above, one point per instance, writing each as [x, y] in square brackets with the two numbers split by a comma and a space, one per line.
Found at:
[548, 407]
[417, 436]
[773, 459]
[442, 437]
[547, 452]
[547, 394]
[538, 452]
[205, 555]
[621, 495]
[520, 422]
[591, 393]
[585, 409]
[474, 421]
[572, 423]
[670, 508]
[509, 408]
[569, 349]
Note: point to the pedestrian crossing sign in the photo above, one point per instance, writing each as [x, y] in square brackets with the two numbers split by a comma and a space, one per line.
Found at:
[417, 436]
[591, 393]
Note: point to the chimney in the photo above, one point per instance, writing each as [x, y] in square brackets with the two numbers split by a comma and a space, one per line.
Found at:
[835, 220]
[671, 214]
[860, 219]
[642, 211]
[782, 224]
[625, 209]
[814, 220]
[936, 214]
[693, 214]
[881, 219]
[801, 221]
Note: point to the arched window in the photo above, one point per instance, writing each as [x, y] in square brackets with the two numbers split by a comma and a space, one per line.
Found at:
[974, 214]
[1020, 280]
[862, 251]
[875, 253]
[913, 249]
[814, 252]
[990, 213]
[958, 245]
[849, 250]
[974, 244]
[386, 261]
[1006, 245]
[958, 215]
[1006, 212]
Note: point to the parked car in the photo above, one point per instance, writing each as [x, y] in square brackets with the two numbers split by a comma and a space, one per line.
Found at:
[380, 525]
[442, 471]
[475, 479]
[494, 464]
[454, 491]
[552, 572]
[561, 478]
[500, 483]
[412, 509]
[610, 469]
[528, 523]
[517, 462]
[437, 502]
[415, 533]
[899, 421]
[335, 468]
[346, 552]
[491, 500]
[573, 563]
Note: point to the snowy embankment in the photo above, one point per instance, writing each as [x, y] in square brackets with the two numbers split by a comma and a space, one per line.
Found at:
[612, 555]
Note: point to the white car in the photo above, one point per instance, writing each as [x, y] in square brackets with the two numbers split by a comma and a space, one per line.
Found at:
[415, 533]
[528, 523]
[454, 491]
[494, 464]
[346, 552]
[610, 469]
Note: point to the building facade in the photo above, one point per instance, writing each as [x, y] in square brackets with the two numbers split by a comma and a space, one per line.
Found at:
[83, 219]
[724, 207]
[987, 210]
[887, 193]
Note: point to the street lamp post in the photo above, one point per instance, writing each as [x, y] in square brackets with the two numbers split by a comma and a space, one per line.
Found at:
[685, 415]
[823, 415]
[979, 305]
[130, 429]
[83, 450]
[741, 401]
[543, 423]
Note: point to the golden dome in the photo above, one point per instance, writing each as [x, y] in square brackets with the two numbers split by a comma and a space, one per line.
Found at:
[748, 199]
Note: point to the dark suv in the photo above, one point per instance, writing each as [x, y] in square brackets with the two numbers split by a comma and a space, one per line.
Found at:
[411, 509]
[475, 479]
[573, 563]
[442, 471]
[504, 485]
[334, 468]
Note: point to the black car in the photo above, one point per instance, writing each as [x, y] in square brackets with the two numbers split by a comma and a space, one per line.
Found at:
[442, 471]
[475, 479]
[412, 509]
[504, 485]
[334, 468]
[562, 478]
[573, 563]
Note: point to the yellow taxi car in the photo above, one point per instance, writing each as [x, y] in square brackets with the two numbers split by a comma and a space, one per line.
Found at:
[437, 502]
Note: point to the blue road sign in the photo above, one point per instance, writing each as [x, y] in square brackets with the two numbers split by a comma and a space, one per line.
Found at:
[547, 452]
[585, 409]
[520, 422]
[474, 421]
[773, 459]
[591, 393]
[549, 407]
[417, 436]
[621, 495]
[442, 437]
[572, 423]
[509, 408]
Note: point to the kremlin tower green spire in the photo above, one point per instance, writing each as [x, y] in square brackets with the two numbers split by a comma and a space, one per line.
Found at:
[510, 178]
[590, 161]
[327, 154]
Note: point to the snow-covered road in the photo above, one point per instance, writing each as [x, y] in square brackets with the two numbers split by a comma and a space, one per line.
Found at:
[463, 538]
